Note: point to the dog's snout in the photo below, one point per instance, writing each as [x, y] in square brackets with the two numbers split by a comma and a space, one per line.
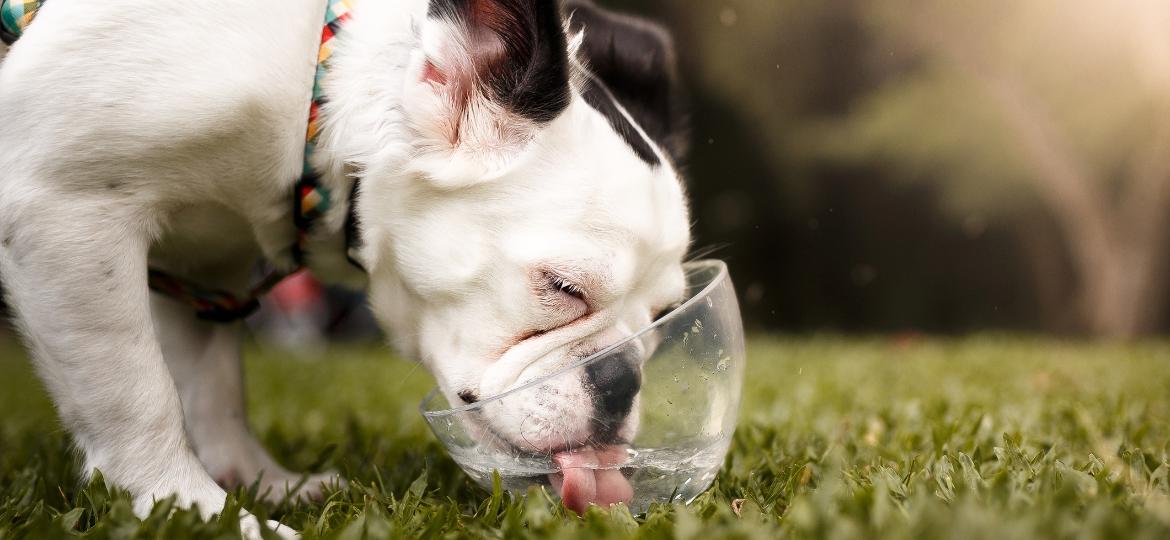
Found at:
[614, 382]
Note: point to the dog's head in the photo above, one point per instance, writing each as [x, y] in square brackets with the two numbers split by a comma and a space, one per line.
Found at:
[542, 217]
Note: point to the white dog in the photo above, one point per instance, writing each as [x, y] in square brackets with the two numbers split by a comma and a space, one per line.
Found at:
[518, 205]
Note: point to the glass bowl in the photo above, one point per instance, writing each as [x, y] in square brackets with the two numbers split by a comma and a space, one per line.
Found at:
[685, 411]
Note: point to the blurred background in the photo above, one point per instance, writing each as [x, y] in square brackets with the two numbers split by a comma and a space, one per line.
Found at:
[914, 166]
[933, 166]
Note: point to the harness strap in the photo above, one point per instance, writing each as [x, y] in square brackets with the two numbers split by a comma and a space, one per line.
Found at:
[211, 304]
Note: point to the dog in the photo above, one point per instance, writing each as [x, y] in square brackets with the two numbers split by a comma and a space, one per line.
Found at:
[518, 204]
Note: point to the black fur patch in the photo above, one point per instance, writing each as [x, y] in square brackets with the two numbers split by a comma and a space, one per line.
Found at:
[525, 60]
[468, 396]
[635, 59]
[599, 97]
[353, 230]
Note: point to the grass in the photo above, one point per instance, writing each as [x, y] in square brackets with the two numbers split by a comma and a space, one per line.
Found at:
[839, 438]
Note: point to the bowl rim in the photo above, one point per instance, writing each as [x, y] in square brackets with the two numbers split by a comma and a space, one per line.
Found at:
[721, 275]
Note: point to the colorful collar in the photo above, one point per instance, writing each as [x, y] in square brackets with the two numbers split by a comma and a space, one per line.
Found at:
[15, 16]
[310, 199]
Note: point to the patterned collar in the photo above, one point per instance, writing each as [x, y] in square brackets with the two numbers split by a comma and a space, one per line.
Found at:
[15, 16]
[310, 198]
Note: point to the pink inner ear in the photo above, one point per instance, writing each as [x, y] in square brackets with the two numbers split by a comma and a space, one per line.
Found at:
[470, 60]
[458, 94]
[431, 74]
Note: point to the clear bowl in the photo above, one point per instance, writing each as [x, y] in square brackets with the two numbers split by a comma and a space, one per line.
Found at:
[686, 410]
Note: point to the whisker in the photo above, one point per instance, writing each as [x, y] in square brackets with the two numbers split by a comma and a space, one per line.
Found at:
[523, 435]
[602, 422]
[706, 251]
[564, 439]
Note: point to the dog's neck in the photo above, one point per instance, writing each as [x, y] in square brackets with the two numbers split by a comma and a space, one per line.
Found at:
[330, 249]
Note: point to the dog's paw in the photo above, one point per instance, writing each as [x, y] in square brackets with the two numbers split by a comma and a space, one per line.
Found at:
[250, 529]
[211, 501]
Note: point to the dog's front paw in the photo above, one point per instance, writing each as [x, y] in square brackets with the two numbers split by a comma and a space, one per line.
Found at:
[210, 501]
[250, 528]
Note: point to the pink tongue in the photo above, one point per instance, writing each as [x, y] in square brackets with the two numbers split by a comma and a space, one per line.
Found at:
[581, 483]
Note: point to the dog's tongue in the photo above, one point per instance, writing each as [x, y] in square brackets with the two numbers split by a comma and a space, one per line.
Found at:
[581, 484]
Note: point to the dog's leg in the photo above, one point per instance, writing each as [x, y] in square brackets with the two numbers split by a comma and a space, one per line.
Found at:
[204, 359]
[74, 269]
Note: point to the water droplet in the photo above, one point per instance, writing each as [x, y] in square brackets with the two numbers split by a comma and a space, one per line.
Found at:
[697, 327]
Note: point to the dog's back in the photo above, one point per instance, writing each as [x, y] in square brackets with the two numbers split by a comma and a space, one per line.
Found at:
[214, 85]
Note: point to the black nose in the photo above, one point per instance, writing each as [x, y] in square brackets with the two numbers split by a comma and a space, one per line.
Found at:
[614, 382]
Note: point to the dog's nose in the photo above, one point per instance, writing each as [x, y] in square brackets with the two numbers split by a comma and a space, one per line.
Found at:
[614, 382]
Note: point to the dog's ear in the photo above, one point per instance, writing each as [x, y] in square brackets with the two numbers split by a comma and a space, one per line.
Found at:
[488, 75]
[635, 58]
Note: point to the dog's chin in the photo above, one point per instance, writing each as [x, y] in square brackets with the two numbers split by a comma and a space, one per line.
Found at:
[532, 424]
[542, 448]
[537, 433]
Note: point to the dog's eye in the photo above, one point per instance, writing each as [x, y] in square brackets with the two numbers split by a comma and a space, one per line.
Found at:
[566, 286]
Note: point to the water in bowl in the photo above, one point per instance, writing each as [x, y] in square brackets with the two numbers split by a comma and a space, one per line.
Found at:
[661, 474]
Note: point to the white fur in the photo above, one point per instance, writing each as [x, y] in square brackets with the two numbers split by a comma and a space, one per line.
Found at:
[171, 134]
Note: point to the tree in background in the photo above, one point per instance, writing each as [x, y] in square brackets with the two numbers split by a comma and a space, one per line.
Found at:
[1014, 103]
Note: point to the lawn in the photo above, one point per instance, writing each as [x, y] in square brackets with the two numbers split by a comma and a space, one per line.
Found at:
[845, 438]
